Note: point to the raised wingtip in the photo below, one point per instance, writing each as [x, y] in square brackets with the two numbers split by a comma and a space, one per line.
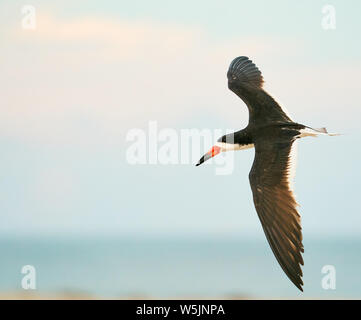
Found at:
[244, 71]
[237, 59]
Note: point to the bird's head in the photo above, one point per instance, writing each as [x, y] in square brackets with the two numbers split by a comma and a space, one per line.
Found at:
[210, 154]
[224, 143]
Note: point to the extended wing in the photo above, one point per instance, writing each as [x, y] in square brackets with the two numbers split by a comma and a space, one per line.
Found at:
[270, 180]
[246, 81]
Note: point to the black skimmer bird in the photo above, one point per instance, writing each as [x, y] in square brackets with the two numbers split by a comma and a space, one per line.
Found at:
[273, 135]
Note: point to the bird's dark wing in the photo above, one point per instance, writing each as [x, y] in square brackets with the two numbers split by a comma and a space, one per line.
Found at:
[270, 179]
[246, 81]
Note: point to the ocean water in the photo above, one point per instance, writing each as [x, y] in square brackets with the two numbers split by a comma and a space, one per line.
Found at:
[175, 267]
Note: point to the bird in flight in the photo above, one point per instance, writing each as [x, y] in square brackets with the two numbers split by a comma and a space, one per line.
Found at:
[273, 135]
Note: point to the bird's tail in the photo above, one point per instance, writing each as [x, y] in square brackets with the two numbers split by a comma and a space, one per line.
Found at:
[314, 132]
[324, 131]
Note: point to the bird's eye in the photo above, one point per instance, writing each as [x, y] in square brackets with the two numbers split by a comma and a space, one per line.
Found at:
[234, 77]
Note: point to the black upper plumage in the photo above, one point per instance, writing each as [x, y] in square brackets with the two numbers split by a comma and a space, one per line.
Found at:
[246, 81]
[273, 134]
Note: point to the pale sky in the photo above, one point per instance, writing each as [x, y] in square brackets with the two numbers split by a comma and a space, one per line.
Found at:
[72, 88]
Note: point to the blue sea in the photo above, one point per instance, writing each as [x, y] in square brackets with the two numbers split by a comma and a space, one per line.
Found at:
[176, 267]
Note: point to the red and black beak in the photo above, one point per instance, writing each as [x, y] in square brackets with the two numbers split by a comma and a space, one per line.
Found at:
[210, 154]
